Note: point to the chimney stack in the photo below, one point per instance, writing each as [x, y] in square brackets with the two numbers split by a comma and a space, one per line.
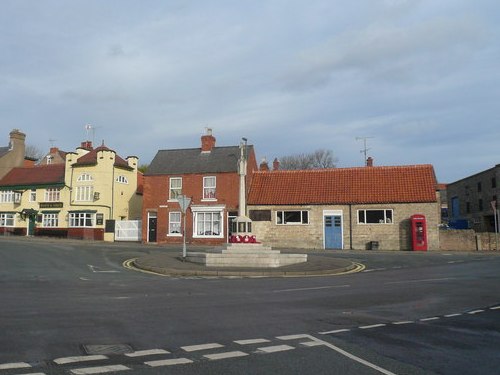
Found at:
[87, 145]
[369, 161]
[207, 141]
[276, 164]
[264, 166]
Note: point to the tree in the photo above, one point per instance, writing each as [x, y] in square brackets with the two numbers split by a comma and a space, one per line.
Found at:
[319, 159]
[33, 152]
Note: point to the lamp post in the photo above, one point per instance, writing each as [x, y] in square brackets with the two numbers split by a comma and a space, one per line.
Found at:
[184, 203]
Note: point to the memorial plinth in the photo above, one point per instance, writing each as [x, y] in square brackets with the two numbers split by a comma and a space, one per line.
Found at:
[245, 255]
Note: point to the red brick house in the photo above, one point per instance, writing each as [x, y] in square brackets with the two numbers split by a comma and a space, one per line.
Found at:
[209, 176]
[344, 208]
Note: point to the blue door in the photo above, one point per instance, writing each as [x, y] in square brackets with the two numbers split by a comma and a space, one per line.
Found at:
[333, 232]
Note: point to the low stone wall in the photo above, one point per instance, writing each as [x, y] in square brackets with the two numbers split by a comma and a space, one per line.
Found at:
[466, 240]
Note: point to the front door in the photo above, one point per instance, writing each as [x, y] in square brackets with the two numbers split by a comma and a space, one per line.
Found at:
[31, 225]
[152, 224]
[333, 232]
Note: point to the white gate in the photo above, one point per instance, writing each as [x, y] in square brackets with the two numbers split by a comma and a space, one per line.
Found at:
[128, 230]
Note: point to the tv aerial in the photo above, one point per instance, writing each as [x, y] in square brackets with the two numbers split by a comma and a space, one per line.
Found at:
[365, 148]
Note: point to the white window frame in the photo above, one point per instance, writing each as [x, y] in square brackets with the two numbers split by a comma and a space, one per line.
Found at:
[209, 188]
[10, 196]
[122, 180]
[387, 218]
[281, 217]
[33, 195]
[52, 195]
[84, 193]
[207, 213]
[174, 222]
[81, 219]
[174, 191]
[7, 219]
[85, 177]
[50, 220]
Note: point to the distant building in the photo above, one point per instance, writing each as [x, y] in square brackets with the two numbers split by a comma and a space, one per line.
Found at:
[208, 175]
[470, 200]
[344, 208]
[80, 197]
[13, 155]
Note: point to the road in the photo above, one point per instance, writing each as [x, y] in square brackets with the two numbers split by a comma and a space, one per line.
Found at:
[70, 307]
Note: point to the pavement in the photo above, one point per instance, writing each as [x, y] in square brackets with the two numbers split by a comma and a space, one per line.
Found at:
[172, 264]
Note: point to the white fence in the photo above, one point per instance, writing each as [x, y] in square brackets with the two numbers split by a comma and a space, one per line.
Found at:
[128, 230]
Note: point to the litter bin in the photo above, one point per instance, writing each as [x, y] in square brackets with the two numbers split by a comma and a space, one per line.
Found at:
[373, 245]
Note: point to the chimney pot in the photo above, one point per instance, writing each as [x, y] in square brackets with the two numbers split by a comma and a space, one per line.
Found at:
[263, 165]
[369, 161]
[276, 164]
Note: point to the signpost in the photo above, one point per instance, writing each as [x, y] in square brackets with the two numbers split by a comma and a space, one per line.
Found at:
[184, 203]
[495, 212]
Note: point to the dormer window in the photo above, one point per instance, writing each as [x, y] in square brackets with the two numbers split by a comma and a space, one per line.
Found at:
[85, 177]
[49, 159]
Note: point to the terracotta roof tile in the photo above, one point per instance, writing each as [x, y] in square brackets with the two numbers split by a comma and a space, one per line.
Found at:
[399, 184]
[39, 175]
[91, 158]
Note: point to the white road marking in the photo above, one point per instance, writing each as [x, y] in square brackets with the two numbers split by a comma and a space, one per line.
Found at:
[143, 353]
[451, 315]
[312, 288]
[99, 370]
[495, 308]
[8, 366]
[421, 280]
[335, 331]
[375, 269]
[168, 362]
[311, 344]
[353, 357]
[251, 341]
[373, 326]
[226, 355]
[83, 358]
[475, 312]
[275, 349]
[194, 348]
[95, 269]
[293, 337]
[429, 319]
[403, 322]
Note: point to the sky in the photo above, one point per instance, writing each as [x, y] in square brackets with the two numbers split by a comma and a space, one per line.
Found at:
[417, 80]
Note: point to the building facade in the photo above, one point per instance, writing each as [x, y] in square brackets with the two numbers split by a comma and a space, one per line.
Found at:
[344, 208]
[471, 200]
[208, 176]
[80, 198]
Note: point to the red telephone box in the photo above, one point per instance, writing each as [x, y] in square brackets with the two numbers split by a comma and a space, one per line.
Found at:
[418, 232]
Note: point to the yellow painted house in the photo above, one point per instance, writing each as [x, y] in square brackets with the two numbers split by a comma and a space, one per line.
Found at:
[87, 196]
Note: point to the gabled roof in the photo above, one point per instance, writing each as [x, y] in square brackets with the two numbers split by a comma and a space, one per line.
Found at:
[52, 174]
[364, 185]
[192, 160]
[91, 158]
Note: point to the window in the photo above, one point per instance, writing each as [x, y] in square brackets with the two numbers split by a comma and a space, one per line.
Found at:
[292, 217]
[84, 177]
[50, 220]
[479, 187]
[208, 224]
[9, 196]
[175, 187]
[467, 207]
[174, 223]
[81, 219]
[84, 194]
[6, 219]
[33, 195]
[209, 184]
[493, 182]
[52, 195]
[122, 180]
[374, 216]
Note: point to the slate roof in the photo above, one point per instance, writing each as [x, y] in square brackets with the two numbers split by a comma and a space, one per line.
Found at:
[91, 158]
[364, 185]
[52, 174]
[192, 160]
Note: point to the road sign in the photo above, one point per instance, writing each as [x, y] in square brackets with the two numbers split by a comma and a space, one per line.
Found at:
[184, 202]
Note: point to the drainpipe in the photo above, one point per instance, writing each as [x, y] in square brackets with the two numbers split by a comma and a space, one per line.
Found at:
[350, 226]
